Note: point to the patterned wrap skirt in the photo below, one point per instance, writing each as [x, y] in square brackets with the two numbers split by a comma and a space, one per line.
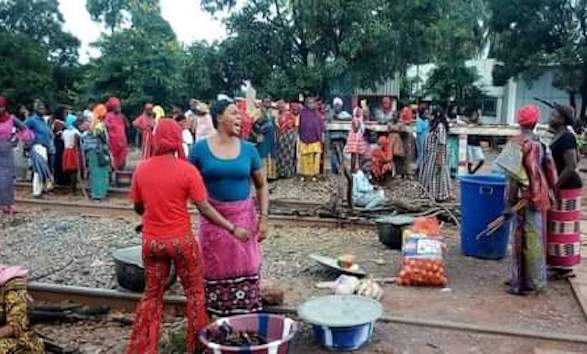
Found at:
[7, 173]
[232, 267]
[286, 154]
[564, 234]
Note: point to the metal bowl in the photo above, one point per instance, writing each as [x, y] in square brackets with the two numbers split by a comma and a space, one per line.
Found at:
[130, 272]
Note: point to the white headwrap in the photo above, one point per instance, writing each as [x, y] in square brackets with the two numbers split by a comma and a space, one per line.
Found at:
[337, 102]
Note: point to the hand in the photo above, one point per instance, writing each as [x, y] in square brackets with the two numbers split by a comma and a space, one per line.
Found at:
[241, 234]
[508, 213]
[262, 228]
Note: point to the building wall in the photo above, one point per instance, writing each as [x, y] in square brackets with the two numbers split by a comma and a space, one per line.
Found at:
[542, 88]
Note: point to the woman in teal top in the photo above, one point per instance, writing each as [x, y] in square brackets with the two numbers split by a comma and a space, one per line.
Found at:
[232, 267]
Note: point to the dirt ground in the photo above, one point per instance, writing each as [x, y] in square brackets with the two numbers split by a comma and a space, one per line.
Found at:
[475, 295]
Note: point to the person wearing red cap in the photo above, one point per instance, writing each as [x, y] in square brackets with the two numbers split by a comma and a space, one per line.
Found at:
[161, 199]
[531, 177]
[116, 125]
[145, 123]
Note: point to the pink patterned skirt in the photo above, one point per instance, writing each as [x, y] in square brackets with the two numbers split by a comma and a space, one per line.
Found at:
[232, 267]
[564, 233]
[356, 144]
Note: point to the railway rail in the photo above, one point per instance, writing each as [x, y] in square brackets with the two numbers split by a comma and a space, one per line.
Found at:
[126, 211]
[127, 301]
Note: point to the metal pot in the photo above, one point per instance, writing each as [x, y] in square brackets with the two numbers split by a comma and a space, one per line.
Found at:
[390, 230]
[130, 272]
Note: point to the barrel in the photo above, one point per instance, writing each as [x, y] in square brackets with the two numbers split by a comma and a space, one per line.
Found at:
[482, 201]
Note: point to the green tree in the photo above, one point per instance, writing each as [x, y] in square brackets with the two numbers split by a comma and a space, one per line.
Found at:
[139, 64]
[535, 36]
[288, 46]
[114, 14]
[25, 72]
[38, 25]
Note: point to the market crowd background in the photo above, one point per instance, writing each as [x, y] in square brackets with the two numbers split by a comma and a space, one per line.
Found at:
[288, 47]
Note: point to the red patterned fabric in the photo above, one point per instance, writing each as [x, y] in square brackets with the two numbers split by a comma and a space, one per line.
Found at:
[70, 161]
[115, 123]
[287, 122]
[382, 158]
[564, 230]
[146, 125]
[157, 257]
[541, 172]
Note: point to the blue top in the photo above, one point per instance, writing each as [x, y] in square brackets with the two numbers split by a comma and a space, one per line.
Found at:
[227, 180]
[41, 130]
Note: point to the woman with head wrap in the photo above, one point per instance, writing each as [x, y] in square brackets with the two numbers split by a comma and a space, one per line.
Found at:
[382, 158]
[311, 129]
[16, 336]
[41, 145]
[95, 147]
[116, 124]
[70, 160]
[232, 266]
[264, 133]
[564, 236]
[145, 123]
[434, 175]
[531, 177]
[403, 143]
[7, 165]
[162, 199]
[287, 142]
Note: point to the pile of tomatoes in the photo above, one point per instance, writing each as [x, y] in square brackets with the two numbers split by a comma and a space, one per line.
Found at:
[421, 272]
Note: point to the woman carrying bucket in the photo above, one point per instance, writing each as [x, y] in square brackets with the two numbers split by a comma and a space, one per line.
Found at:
[531, 176]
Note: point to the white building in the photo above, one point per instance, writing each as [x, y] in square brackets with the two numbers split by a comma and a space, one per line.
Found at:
[502, 102]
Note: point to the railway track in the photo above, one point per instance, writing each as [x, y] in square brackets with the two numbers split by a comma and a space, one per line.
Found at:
[126, 211]
[116, 300]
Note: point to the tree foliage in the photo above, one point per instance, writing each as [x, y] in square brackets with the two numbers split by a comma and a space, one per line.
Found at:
[43, 60]
[290, 46]
[535, 36]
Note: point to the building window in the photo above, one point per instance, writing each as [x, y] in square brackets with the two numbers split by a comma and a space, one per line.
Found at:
[489, 106]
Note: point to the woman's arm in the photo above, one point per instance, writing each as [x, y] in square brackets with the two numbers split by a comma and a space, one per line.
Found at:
[570, 157]
[207, 210]
[18, 124]
[263, 198]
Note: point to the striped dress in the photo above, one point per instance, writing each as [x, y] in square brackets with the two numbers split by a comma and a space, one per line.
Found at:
[434, 174]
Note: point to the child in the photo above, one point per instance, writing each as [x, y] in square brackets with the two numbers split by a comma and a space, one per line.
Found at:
[474, 151]
[186, 134]
[70, 161]
[356, 144]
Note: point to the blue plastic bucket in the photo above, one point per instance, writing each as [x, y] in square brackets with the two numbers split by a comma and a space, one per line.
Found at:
[343, 338]
[482, 201]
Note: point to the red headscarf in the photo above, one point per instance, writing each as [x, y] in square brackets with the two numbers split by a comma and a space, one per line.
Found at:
[112, 103]
[407, 115]
[528, 116]
[167, 138]
[3, 102]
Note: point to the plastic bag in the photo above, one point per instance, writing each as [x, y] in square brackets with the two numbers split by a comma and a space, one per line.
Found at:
[428, 226]
[422, 261]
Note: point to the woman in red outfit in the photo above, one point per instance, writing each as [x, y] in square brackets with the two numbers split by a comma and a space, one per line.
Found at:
[116, 124]
[161, 198]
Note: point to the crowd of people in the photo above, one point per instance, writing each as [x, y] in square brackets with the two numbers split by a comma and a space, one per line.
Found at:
[215, 156]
